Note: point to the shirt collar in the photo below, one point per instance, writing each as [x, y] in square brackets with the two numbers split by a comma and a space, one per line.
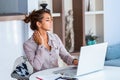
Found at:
[51, 38]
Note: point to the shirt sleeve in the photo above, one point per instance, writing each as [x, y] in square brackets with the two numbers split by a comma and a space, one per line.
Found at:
[64, 54]
[32, 54]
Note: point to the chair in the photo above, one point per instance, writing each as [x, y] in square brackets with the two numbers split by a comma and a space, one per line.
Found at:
[22, 69]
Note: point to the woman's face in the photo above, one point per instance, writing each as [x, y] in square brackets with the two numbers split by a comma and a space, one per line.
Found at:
[47, 22]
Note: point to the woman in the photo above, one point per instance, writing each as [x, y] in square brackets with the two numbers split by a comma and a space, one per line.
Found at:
[43, 48]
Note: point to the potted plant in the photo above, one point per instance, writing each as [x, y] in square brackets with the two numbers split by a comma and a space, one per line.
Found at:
[91, 39]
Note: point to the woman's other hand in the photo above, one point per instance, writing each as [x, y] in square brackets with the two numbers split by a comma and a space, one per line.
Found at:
[75, 62]
[37, 37]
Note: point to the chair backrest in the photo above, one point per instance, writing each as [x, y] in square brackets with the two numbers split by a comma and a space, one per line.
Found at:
[22, 69]
[23, 59]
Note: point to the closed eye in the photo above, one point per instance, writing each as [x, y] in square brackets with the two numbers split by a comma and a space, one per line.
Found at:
[47, 20]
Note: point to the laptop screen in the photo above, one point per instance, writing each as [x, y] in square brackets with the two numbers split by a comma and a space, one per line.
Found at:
[91, 58]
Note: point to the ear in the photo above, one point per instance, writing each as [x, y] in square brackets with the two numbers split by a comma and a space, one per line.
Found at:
[38, 24]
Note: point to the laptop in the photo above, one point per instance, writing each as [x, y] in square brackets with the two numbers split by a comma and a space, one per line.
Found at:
[91, 60]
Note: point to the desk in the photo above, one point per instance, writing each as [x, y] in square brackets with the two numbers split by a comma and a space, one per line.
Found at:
[109, 73]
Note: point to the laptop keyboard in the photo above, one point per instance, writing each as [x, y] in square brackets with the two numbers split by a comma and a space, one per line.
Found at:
[70, 71]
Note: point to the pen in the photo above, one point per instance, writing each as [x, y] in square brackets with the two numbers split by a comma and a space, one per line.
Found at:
[39, 78]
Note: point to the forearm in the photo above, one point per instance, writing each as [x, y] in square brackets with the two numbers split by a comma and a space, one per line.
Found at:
[64, 54]
[36, 63]
[68, 59]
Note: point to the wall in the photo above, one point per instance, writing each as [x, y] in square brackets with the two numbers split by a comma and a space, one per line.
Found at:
[11, 36]
[111, 21]
[11, 46]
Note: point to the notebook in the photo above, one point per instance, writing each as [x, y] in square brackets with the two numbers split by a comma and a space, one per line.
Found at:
[91, 60]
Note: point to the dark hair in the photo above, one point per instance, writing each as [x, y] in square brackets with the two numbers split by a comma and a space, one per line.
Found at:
[36, 15]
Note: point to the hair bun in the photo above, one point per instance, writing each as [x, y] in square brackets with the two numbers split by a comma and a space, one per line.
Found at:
[27, 19]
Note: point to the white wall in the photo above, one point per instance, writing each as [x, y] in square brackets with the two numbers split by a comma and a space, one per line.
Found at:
[11, 46]
[112, 21]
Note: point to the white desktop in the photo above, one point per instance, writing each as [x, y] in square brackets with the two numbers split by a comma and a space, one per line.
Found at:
[108, 73]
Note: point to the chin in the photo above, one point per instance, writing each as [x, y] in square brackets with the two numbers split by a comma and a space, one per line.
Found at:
[49, 30]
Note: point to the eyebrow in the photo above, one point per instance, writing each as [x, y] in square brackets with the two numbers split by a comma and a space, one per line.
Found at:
[49, 18]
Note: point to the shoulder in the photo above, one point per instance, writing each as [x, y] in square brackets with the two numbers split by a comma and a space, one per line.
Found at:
[30, 42]
[52, 35]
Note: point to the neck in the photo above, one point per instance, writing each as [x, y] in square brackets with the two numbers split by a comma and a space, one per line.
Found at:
[43, 33]
[45, 38]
